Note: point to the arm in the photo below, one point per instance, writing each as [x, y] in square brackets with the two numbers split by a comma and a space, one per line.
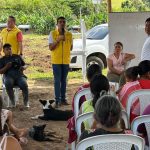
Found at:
[20, 48]
[71, 44]
[20, 39]
[53, 44]
[1, 45]
[12, 128]
[5, 68]
[128, 57]
[24, 66]
[111, 68]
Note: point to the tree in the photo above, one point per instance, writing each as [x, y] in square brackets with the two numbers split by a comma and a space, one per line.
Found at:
[133, 5]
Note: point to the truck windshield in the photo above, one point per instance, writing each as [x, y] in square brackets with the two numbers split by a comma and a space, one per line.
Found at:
[97, 33]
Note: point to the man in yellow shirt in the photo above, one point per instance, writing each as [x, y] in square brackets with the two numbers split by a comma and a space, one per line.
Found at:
[60, 44]
[13, 36]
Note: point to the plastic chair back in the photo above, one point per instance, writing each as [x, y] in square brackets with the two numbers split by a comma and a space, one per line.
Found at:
[112, 142]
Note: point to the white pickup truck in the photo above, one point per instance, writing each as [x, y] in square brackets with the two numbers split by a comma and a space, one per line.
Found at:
[96, 47]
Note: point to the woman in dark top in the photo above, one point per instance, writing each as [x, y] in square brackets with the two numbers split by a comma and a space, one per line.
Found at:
[107, 116]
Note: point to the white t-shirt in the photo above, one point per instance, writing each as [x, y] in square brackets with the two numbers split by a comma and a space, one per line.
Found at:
[145, 55]
[50, 38]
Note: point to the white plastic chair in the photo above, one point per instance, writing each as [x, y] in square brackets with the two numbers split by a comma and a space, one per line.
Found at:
[112, 142]
[140, 120]
[144, 99]
[81, 118]
[125, 118]
[77, 97]
[5, 97]
[85, 92]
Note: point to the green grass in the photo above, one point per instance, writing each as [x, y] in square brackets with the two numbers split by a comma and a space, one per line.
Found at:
[49, 75]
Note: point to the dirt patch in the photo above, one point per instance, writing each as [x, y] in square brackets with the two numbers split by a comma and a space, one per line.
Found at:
[44, 90]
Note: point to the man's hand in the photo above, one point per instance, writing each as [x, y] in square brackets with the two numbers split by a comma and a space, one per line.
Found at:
[60, 38]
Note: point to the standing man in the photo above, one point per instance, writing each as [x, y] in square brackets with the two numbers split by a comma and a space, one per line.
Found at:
[145, 55]
[13, 36]
[60, 44]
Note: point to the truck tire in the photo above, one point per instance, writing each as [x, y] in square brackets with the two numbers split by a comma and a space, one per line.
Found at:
[94, 60]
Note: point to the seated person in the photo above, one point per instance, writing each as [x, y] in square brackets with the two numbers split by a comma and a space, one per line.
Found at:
[92, 70]
[117, 62]
[12, 67]
[6, 120]
[107, 115]
[144, 72]
[142, 129]
[98, 85]
[144, 80]
[131, 85]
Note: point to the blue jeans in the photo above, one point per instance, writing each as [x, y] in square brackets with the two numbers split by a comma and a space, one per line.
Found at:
[60, 72]
[21, 82]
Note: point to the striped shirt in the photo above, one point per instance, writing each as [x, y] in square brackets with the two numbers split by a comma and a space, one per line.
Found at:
[127, 89]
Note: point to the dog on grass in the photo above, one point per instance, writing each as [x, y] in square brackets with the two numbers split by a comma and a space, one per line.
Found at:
[50, 113]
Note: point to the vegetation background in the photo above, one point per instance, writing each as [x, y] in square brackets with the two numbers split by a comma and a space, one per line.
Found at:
[42, 14]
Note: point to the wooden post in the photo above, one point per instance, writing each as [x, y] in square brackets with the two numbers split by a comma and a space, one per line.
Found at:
[109, 6]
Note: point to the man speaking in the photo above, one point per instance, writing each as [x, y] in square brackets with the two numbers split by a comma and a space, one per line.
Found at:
[60, 44]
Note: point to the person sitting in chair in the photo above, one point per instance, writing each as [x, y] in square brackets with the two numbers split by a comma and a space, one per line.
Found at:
[12, 66]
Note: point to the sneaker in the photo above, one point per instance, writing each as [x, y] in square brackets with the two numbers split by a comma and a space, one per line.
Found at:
[65, 103]
[27, 105]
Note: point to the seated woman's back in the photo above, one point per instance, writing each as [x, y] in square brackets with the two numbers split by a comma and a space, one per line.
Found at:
[107, 114]
[98, 85]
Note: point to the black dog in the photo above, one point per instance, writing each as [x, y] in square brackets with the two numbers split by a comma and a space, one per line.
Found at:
[37, 133]
[50, 113]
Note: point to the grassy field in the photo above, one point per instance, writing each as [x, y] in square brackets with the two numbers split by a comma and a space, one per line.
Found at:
[37, 56]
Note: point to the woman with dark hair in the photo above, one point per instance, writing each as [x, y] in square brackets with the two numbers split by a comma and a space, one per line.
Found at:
[98, 86]
[6, 121]
[144, 72]
[92, 70]
[107, 114]
[144, 80]
[117, 62]
[131, 85]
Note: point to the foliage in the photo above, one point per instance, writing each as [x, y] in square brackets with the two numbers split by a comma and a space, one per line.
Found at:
[41, 15]
[134, 5]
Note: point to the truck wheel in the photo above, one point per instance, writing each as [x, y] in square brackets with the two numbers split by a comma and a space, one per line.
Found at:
[94, 60]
